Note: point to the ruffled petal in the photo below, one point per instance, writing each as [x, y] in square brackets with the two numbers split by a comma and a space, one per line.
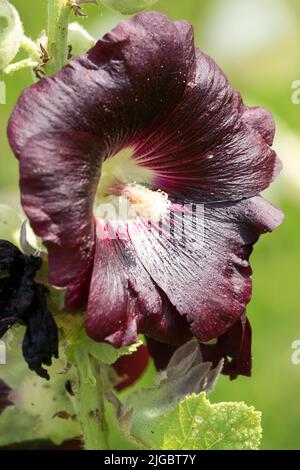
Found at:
[134, 75]
[262, 121]
[207, 275]
[124, 300]
[169, 284]
[58, 184]
[212, 147]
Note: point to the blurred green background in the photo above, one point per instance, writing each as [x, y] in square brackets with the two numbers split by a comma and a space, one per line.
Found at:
[256, 42]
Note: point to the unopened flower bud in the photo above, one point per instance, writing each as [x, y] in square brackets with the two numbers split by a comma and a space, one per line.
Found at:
[11, 32]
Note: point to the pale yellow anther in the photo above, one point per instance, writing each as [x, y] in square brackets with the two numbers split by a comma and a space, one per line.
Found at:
[123, 192]
[152, 205]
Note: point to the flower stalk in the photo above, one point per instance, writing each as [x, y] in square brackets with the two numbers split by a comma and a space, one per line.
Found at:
[58, 19]
[30, 47]
[22, 64]
[90, 404]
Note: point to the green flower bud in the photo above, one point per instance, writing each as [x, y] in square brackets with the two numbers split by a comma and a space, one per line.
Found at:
[128, 7]
[80, 40]
[11, 32]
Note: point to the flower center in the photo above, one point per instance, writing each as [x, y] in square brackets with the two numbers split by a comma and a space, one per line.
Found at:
[123, 192]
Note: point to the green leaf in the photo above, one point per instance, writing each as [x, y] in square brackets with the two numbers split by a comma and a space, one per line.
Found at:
[16, 426]
[10, 223]
[196, 424]
[15, 370]
[45, 409]
[49, 403]
[108, 354]
[186, 374]
[103, 352]
[41, 411]
[176, 415]
[129, 7]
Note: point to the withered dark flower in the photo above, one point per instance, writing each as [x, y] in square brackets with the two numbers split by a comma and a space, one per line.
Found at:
[23, 301]
[147, 120]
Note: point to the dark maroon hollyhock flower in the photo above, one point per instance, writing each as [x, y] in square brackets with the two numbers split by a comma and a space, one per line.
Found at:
[146, 119]
[23, 300]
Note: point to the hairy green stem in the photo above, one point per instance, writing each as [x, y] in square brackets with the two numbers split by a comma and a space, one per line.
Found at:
[58, 20]
[90, 401]
[22, 64]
